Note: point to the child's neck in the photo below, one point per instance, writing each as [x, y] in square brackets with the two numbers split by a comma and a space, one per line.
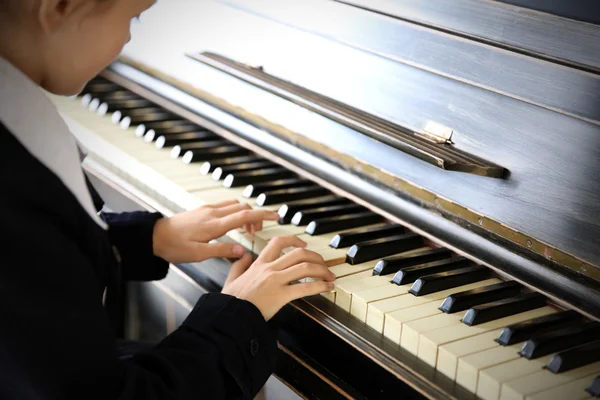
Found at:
[22, 56]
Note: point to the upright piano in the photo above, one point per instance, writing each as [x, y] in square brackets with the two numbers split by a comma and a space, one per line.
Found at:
[441, 155]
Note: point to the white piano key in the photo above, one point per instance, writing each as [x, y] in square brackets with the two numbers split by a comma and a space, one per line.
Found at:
[491, 379]
[85, 100]
[544, 380]
[378, 310]
[332, 296]
[361, 299]
[429, 342]
[263, 237]
[574, 390]
[449, 354]
[102, 109]
[331, 256]
[412, 330]
[467, 374]
[345, 290]
[94, 104]
[392, 328]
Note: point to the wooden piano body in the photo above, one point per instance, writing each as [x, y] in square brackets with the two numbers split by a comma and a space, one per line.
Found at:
[332, 90]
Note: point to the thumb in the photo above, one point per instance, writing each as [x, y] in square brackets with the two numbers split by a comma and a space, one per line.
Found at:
[238, 268]
[223, 250]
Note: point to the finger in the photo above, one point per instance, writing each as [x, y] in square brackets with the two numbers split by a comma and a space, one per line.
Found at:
[220, 250]
[221, 204]
[304, 289]
[297, 256]
[238, 268]
[257, 227]
[231, 208]
[273, 249]
[306, 270]
[241, 218]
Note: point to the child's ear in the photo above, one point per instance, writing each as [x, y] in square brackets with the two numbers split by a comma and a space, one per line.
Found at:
[55, 13]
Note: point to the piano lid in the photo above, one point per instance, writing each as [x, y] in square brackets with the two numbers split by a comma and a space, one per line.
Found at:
[528, 105]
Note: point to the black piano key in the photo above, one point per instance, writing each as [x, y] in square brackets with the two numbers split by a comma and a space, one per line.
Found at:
[413, 271]
[98, 103]
[164, 128]
[447, 280]
[576, 357]
[260, 175]
[348, 239]
[378, 248]
[127, 118]
[209, 166]
[279, 196]
[258, 188]
[560, 339]
[503, 308]
[225, 170]
[151, 135]
[390, 265]
[196, 148]
[594, 388]
[194, 152]
[424, 259]
[305, 217]
[215, 153]
[118, 95]
[99, 91]
[120, 115]
[287, 211]
[464, 300]
[212, 151]
[123, 104]
[96, 79]
[341, 223]
[96, 89]
[183, 138]
[522, 331]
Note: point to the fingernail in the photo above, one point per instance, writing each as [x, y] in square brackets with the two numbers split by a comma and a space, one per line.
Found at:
[238, 250]
[330, 285]
[275, 215]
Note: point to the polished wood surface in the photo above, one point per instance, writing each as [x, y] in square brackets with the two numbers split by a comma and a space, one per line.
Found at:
[523, 29]
[551, 156]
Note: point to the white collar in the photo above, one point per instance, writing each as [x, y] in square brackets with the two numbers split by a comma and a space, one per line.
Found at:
[34, 121]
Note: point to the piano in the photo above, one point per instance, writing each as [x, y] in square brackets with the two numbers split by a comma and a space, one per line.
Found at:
[441, 155]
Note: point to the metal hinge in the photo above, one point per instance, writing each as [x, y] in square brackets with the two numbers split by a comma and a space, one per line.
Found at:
[256, 67]
[436, 133]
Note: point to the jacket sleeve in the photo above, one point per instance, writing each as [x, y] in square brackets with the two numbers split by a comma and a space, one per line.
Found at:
[56, 341]
[131, 234]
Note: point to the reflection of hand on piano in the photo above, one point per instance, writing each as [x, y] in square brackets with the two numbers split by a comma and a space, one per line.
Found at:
[267, 282]
[185, 237]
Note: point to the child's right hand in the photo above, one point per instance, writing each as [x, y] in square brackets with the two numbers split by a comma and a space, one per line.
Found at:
[266, 283]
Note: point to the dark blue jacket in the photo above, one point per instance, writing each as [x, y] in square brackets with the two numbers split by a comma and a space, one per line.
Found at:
[56, 340]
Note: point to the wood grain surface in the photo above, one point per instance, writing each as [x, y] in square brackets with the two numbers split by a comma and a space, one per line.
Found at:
[553, 189]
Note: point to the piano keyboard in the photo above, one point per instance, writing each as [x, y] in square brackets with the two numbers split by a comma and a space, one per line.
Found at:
[495, 338]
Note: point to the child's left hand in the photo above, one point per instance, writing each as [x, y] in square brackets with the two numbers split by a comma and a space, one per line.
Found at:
[184, 237]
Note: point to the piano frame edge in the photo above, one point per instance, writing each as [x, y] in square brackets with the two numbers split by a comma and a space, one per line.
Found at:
[465, 237]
